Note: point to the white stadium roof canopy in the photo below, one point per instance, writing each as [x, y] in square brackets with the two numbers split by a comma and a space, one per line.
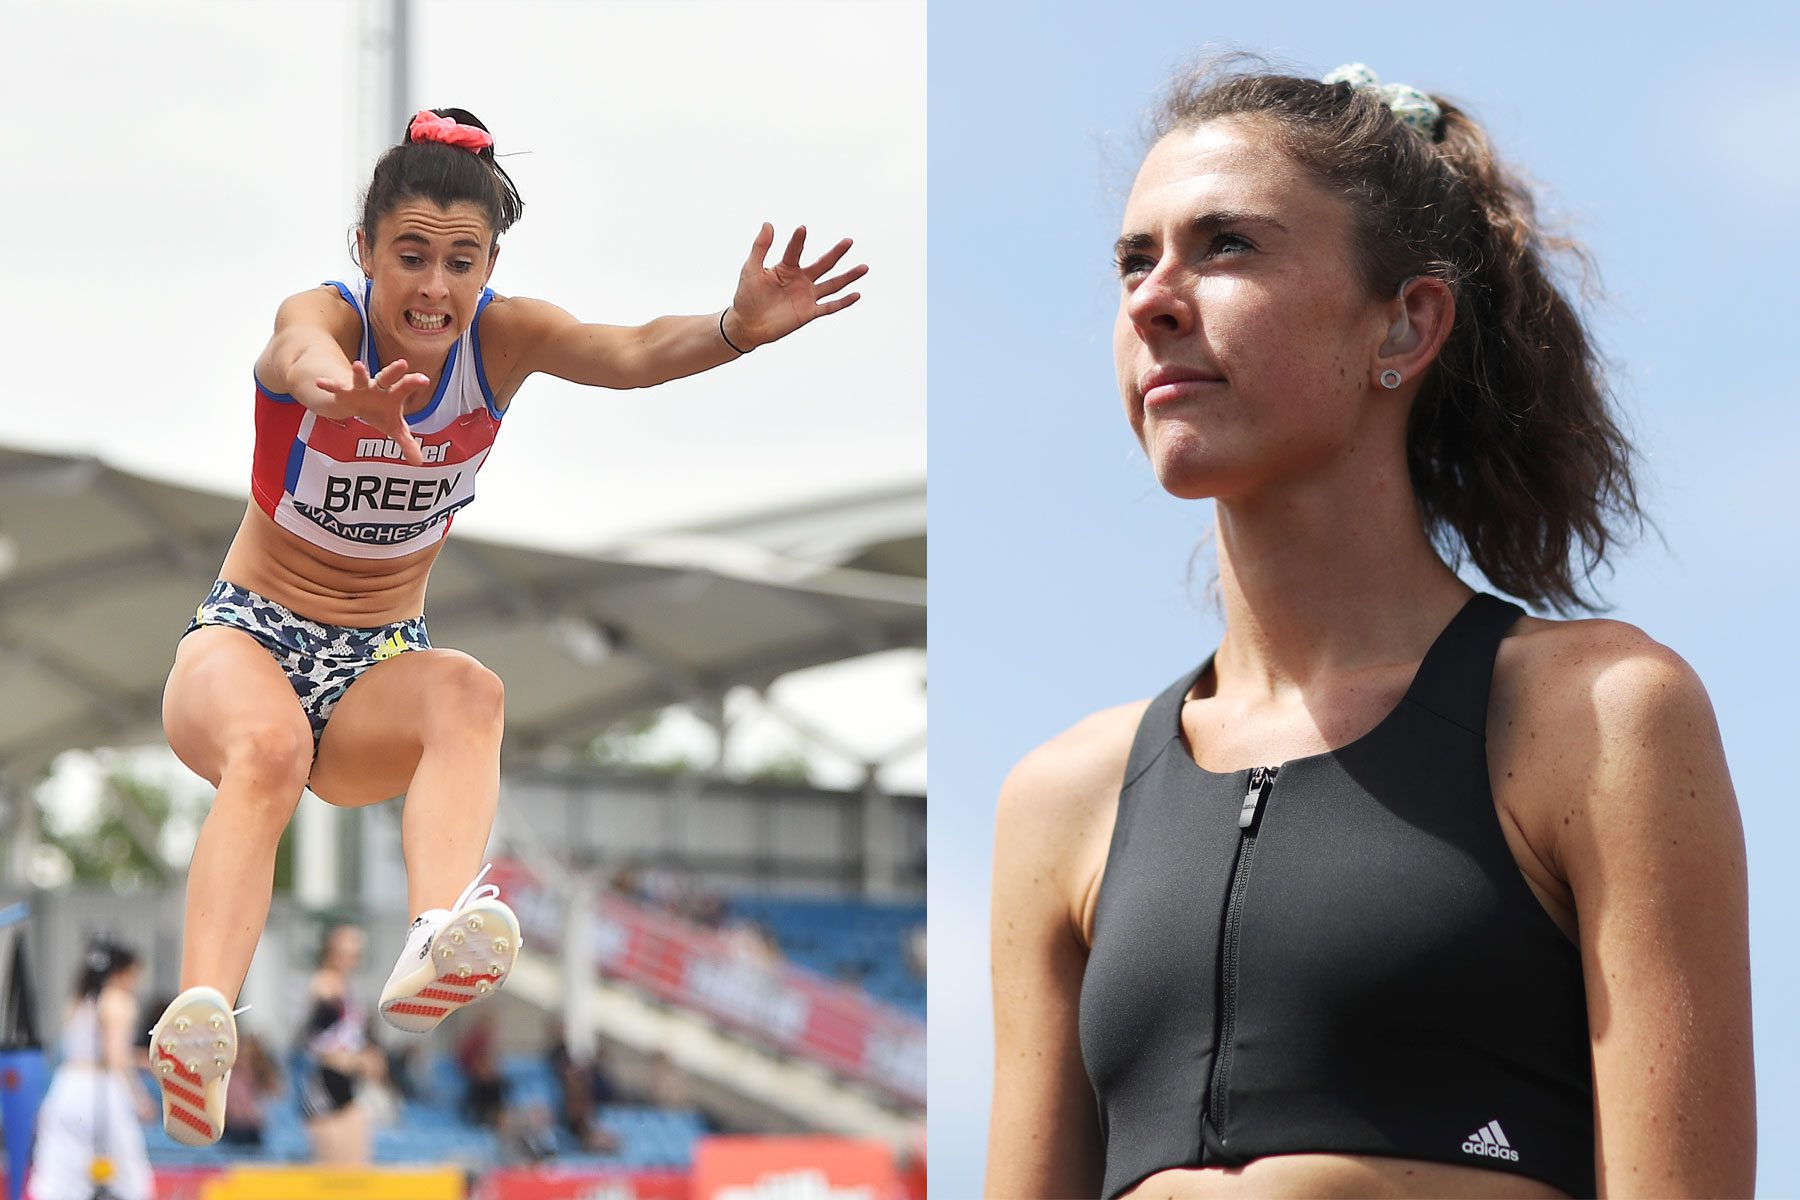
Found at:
[100, 571]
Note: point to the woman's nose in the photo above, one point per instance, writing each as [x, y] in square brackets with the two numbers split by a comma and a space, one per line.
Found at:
[1159, 303]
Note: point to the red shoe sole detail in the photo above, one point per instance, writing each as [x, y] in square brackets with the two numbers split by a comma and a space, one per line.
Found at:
[416, 1010]
[471, 981]
[181, 1093]
[180, 1068]
[192, 1122]
[448, 997]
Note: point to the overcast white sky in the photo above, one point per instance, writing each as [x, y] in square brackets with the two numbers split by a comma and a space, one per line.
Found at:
[176, 169]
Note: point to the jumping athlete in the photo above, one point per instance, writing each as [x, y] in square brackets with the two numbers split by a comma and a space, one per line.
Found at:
[1401, 892]
[308, 664]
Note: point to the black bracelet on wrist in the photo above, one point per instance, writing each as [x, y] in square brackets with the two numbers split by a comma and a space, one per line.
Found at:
[725, 335]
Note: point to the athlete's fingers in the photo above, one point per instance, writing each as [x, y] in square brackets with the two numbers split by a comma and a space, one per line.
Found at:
[409, 445]
[838, 305]
[391, 374]
[837, 282]
[359, 375]
[796, 243]
[828, 260]
[759, 248]
[333, 386]
[405, 385]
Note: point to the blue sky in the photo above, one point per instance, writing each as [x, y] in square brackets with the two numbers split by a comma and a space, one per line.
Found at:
[1060, 572]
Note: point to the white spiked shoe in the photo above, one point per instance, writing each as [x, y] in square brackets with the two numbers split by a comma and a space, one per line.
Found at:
[453, 957]
[192, 1050]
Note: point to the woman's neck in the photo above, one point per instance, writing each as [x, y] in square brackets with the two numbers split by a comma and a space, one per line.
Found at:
[1326, 575]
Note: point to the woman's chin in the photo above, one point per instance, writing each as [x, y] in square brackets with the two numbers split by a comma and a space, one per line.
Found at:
[1187, 479]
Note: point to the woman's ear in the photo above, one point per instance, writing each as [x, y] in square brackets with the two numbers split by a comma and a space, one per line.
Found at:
[1422, 316]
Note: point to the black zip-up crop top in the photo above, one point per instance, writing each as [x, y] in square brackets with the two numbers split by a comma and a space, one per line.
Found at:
[1338, 954]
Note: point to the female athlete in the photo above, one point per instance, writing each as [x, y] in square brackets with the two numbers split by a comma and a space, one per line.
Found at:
[1402, 892]
[337, 1053]
[308, 663]
[88, 1136]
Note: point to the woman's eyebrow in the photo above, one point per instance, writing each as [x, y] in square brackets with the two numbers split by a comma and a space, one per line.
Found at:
[1205, 224]
[1213, 221]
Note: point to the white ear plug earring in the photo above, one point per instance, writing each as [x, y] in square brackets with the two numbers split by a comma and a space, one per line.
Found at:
[1390, 379]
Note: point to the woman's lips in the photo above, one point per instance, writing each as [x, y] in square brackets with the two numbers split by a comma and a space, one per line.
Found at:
[1167, 385]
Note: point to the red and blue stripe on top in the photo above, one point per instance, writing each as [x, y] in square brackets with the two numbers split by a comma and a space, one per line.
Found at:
[343, 485]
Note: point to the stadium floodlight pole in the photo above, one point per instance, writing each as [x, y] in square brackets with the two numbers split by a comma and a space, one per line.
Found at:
[399, 66]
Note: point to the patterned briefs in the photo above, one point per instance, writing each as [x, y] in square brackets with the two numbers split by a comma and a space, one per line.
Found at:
[321, 661]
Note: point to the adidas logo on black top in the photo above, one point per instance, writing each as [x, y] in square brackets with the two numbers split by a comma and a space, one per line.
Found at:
[1490, 1142]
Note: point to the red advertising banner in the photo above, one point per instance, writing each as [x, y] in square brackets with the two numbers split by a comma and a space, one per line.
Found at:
[792, 1009]
[184, 1183]
[573, 1183]
[794, 1168]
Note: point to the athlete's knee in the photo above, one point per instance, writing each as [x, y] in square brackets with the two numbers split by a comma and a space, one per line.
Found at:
[270, 761]
[466, 697]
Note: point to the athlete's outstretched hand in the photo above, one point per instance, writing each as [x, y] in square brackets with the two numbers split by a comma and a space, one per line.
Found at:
[772, 302]
[380, 402]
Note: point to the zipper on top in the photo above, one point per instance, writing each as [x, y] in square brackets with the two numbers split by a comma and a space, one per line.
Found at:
[1262, 782]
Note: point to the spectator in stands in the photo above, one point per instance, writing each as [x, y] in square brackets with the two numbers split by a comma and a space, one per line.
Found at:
[706, 909]
[584, 1087]
[338, 1054]
[667, 1085]
[628, 881]
[403, 1068]
[528, 1134]
[915, 951]
[378, 1095]
[484, 1095]
[754, 942]
[253, 1082]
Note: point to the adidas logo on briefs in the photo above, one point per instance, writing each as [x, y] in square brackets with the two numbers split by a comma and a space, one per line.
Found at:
[1490, 1142]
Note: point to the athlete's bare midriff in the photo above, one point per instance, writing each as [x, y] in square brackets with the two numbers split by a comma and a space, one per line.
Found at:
[1330, 1176]
[332, 589]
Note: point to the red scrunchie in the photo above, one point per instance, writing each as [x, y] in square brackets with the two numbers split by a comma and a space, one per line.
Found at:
[429, 127]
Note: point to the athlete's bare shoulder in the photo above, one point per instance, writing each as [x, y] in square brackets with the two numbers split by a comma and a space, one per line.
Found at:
[512, 329]
[1056, 812]
[316, 310]
[512, 318]
[1080, 766]
[1588, 673]
[1576, 707]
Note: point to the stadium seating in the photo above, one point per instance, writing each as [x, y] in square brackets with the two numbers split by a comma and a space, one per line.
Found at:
[433, 1131]
[854, 941]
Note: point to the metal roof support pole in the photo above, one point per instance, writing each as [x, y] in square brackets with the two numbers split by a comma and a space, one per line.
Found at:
[879, 838]
[316, 843]
[578, 966]
[22, 838]
[680, 829]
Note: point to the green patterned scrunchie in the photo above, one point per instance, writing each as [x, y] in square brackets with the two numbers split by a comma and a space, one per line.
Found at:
[1417, 111]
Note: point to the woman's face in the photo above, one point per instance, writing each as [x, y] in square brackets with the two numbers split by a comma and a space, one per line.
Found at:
[344, 947]
[1245, 335]
[429, 264]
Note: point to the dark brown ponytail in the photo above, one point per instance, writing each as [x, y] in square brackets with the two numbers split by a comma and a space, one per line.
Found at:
[1516, 459]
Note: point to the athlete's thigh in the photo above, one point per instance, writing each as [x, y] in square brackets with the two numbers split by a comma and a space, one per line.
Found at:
[225, 688]
[376, 733]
